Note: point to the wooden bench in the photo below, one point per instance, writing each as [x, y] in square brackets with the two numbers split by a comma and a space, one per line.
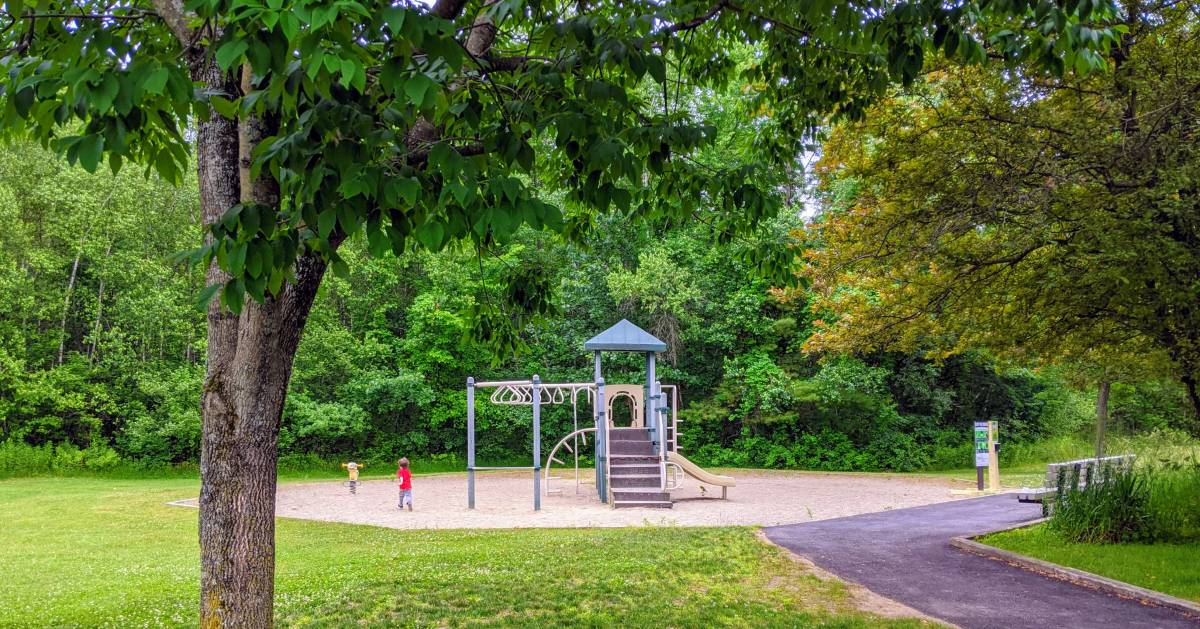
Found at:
[1085, 471]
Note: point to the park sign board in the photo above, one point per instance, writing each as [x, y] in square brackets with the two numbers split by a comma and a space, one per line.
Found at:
[981, 444]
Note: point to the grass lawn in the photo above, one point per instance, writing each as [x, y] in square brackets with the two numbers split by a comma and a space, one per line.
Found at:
[1170, 568]
[109, 552]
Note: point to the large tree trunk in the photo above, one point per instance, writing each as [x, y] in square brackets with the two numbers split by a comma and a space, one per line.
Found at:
[242, 404]
[1101, 416]
[249, 365]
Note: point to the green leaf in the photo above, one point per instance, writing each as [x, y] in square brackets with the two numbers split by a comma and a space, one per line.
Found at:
[223, 106]
[377, 243]
[430, 235]
[254, 261]
[233, 295]
[230, 52]
[90, 149]
[237, 259]
[656, 68]
[339, 268]
[392, 76]
[249, 219]
[156, 81]
[349, 67]
[104, 93]
[525, 156]
[290, 25]
[255, 287]
[407, 188]
[206, 295]
[460, 191]
[347, 218]
[325, 222]
[416, 88]
[394, 17]
[275, 282]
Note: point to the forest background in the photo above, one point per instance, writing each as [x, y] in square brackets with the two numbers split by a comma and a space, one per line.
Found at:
[102, 341]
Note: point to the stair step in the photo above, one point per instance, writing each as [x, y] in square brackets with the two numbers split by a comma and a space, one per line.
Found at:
[626, 494]
[629, 434]
[649, 504]
[648, 483]
[641, 448]
[650, 470]
[634, 475]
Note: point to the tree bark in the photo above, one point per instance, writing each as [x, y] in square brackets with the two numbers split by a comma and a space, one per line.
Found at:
[99, 309]
[242, 405]
[1101, 416]
[62, 328]
[249, 366]
[236, 489]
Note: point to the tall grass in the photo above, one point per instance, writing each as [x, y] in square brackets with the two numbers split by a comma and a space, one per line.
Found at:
[21, 460]
[1157, 501]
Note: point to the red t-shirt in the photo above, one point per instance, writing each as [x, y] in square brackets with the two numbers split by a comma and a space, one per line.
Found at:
[405, 478]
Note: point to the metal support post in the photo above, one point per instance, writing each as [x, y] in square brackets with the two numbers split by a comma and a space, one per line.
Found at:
[470, 443]
[598, 412]
[650, 410]
[601, 443]
[537, 443]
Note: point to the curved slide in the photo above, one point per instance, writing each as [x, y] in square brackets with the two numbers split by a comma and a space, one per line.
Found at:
[699, 473]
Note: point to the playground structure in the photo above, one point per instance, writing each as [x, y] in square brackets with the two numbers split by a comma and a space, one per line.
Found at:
[636, 465]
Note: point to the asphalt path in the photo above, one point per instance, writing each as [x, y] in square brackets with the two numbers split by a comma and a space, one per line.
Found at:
[906, 556]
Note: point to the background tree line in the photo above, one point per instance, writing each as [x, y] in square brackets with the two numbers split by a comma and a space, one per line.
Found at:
[101, 346]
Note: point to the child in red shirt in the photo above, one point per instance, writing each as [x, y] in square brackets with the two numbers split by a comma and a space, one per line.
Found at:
[404, 480]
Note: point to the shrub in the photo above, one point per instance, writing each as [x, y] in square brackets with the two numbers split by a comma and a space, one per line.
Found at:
[1111, 510]
[22, 459]
[1174, 500]
[1159, 502]
[898, 452]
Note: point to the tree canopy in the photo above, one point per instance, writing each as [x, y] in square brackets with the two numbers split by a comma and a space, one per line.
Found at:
[1048, 219]
[423, 128]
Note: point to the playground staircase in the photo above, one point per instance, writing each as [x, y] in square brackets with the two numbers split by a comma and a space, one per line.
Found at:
[635, 472]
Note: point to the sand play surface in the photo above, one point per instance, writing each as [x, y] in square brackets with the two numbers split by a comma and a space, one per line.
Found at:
[505, 500]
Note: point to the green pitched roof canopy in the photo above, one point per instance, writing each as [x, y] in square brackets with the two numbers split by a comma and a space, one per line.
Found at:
[625, 337]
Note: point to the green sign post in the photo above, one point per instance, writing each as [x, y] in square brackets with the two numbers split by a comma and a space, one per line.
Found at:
[981, 452]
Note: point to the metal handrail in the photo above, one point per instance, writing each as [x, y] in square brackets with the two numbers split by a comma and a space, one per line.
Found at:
[674, 426]
[675, 476]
